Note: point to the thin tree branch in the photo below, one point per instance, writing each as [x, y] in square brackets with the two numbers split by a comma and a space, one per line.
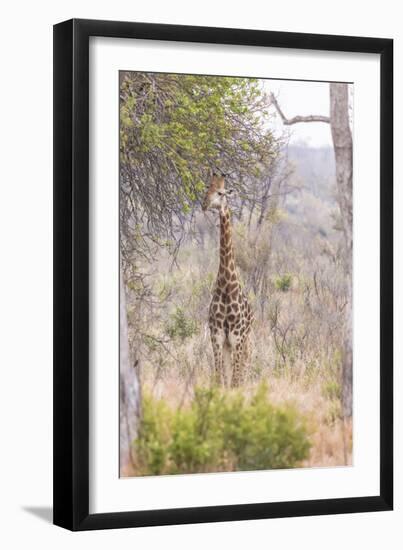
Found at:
[296, 119]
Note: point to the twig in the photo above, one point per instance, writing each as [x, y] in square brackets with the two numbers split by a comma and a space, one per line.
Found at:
[299, 118]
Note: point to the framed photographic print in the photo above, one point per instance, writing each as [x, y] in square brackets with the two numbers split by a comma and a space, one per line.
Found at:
[223, 323]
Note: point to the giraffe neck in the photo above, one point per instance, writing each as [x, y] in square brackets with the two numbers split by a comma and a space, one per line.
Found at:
[227, 259]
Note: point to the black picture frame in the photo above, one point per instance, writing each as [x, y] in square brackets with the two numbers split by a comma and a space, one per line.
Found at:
[71, 274]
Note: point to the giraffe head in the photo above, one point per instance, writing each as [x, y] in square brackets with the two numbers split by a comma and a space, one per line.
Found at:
[215, 198]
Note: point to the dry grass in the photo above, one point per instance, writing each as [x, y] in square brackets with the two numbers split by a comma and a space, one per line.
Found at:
[297, 336]
[330, 436]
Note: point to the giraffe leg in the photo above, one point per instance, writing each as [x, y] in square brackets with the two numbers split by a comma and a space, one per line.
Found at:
[238, 367]
[227, 360]
[217, 342]
[247, 355]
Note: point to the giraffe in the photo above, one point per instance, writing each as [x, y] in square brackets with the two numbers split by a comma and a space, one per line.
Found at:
[230, 315]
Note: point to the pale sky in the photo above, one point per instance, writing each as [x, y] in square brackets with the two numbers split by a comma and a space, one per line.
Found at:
[302, 98]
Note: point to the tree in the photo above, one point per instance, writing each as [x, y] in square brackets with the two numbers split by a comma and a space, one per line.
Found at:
[129, 390]
[343, 151]
[175, 130]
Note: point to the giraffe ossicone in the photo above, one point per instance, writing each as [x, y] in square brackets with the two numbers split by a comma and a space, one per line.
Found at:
[230, 314]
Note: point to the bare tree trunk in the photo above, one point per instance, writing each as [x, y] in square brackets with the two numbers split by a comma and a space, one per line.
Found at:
[129, 390]
[343, 150]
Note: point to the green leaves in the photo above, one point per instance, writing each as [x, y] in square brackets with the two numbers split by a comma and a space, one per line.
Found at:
[180, 325]
[181, 125]
[220, 431]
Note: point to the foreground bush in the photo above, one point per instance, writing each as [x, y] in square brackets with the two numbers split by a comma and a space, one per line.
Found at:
[220, 431]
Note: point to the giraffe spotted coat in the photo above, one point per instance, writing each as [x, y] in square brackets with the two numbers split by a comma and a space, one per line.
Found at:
[230, 314]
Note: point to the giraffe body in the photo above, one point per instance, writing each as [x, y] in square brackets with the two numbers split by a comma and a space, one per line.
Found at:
[230, 314]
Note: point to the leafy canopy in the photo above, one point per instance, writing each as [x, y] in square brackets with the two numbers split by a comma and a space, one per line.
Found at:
[174, 131]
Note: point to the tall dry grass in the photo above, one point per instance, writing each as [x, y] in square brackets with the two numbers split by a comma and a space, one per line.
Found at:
[295, 281]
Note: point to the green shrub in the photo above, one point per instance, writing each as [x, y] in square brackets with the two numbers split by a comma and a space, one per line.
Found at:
[332, 390]
[220, 431]
[283, 282]
[180, 325]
